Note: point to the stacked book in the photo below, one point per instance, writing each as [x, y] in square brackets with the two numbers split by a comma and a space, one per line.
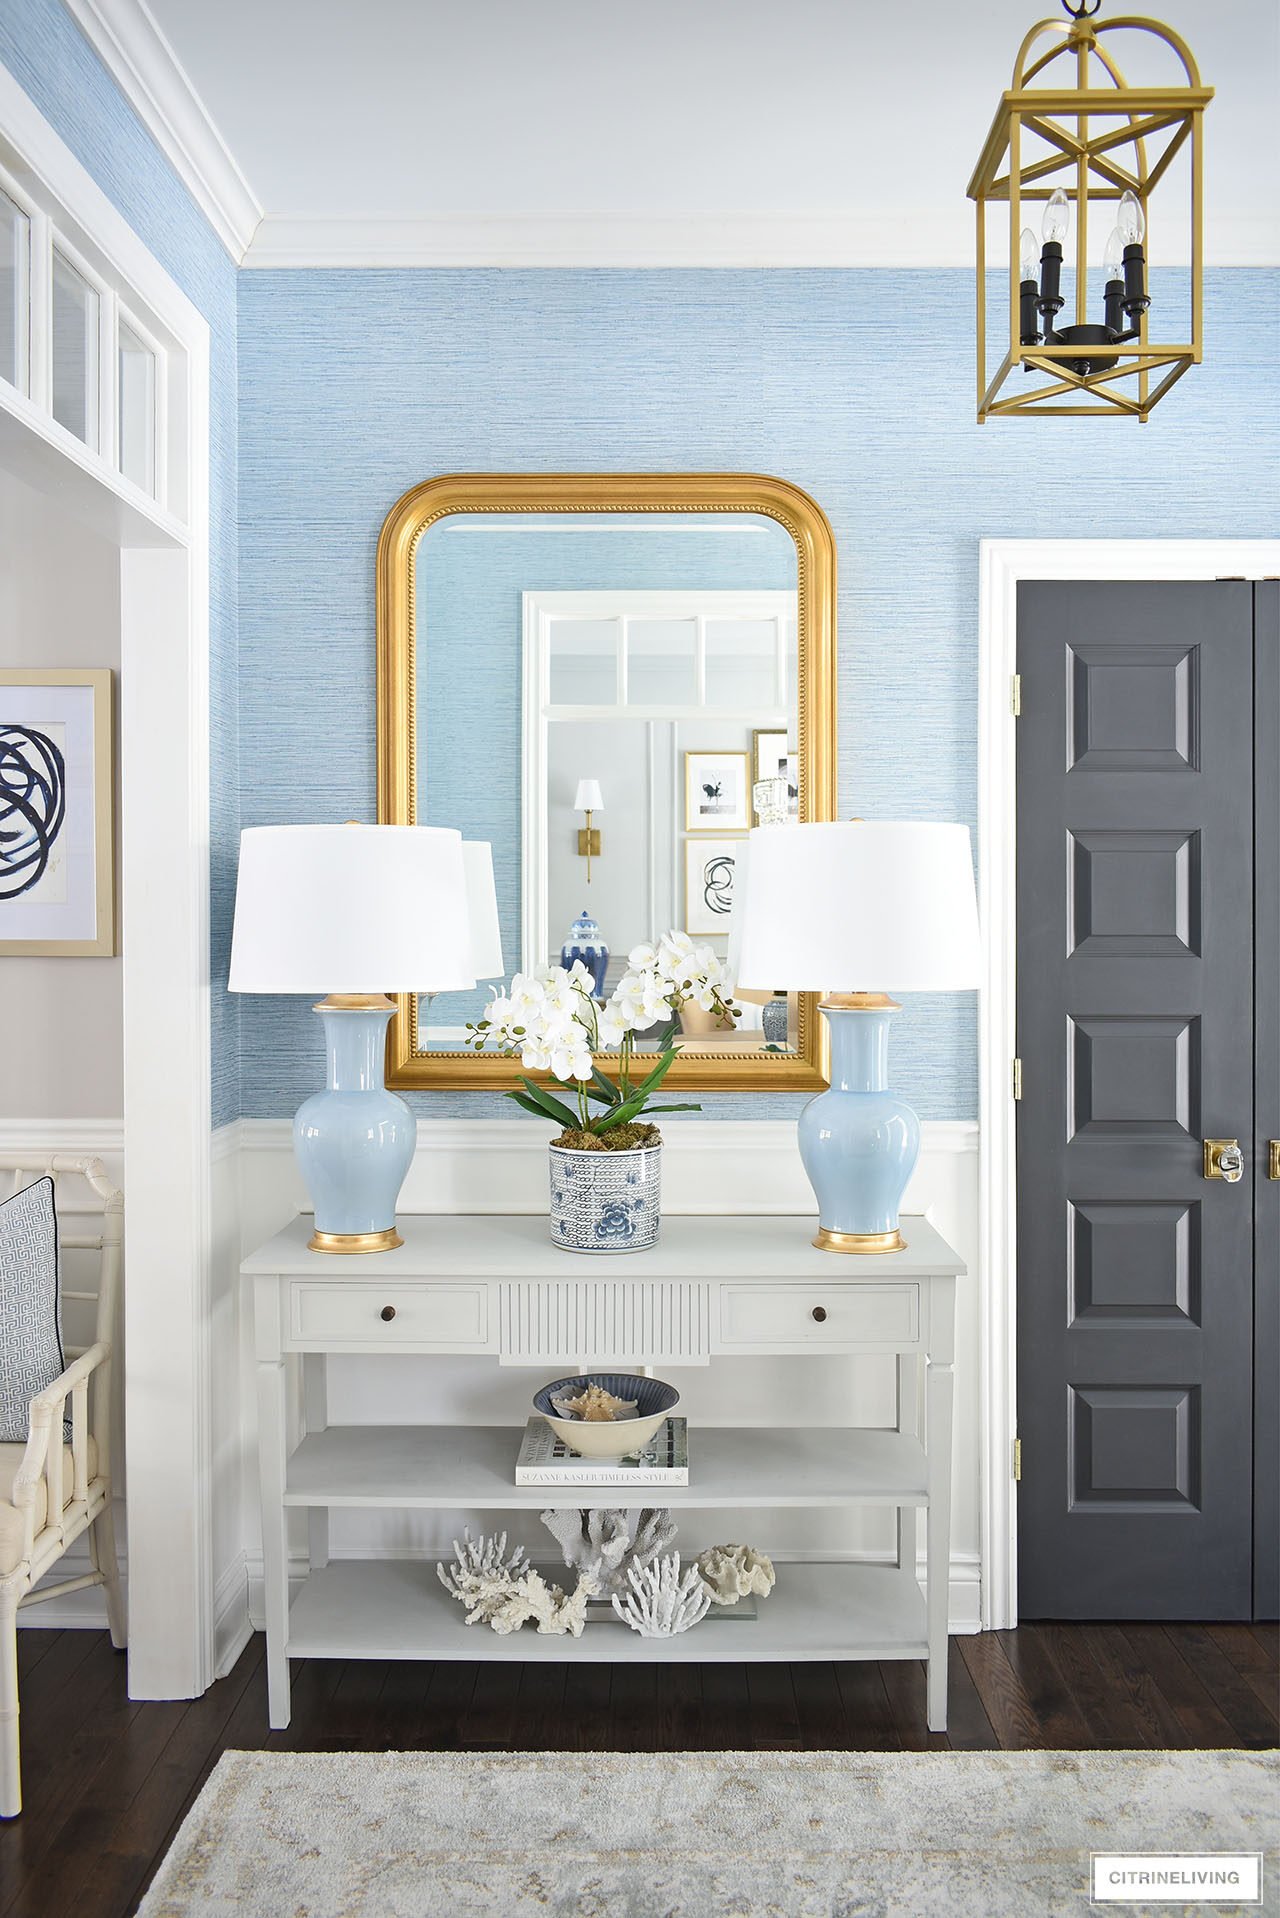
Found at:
[545, 1459]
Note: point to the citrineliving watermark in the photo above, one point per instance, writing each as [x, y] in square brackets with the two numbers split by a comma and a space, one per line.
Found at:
[1175, 1878]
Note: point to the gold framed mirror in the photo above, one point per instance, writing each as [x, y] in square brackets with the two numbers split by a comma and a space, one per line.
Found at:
[655, 643]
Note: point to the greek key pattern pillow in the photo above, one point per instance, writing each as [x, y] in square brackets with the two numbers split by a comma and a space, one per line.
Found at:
[30, 1339]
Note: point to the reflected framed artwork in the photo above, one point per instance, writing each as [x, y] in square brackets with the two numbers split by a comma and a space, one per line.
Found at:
[57, 825]
[710, 870]
[717, 792]
[773, 757]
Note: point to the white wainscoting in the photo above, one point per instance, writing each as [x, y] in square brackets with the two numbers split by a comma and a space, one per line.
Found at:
[732, 1166]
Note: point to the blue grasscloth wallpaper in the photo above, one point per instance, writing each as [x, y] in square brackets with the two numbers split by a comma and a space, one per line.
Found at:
[856, 385]
[54, 64]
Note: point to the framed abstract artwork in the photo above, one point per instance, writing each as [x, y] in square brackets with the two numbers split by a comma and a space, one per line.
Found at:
[710, 869]
[717, 792]
[57, 813]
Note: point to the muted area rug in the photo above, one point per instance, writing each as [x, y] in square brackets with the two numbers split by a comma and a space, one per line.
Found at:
[697, 1834]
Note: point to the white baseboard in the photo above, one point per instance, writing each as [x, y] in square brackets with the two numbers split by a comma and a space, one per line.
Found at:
[232, 1627]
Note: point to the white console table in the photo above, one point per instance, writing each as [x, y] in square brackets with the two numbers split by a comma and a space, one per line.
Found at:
[714, 1287]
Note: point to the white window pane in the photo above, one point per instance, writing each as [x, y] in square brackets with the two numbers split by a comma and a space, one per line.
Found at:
[75, 352]
[662, 662]
[742, 662]
[584, 662]
[15, 255]
[136, 382]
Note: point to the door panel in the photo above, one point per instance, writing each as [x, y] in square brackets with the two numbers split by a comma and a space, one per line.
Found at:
[1266, 1507]
[1135, 1031]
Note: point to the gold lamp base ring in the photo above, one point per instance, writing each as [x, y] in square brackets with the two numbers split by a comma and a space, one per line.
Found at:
[859, 1242]
[385, 1241]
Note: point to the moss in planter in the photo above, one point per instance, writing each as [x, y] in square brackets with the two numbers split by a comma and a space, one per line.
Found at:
[619, 1138]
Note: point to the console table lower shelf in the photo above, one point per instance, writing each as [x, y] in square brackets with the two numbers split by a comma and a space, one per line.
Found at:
[394, 1608]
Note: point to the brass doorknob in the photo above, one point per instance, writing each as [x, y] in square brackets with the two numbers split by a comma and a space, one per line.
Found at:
[388, 1312]
[1223, 1159]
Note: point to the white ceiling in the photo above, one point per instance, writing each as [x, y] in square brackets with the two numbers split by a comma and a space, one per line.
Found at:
[631, 126]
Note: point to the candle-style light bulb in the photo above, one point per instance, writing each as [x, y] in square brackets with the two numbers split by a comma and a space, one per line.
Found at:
[1131, 221]
[1029, 252]
[1057, 217]
[1113, 255]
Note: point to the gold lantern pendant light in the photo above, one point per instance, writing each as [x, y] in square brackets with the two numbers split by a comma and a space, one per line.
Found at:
[1073, 139]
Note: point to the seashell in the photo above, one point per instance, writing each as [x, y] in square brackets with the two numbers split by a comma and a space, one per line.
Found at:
[595, 1405]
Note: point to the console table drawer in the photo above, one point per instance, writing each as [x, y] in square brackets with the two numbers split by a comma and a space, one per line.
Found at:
[819, 1317]
[387, 1316]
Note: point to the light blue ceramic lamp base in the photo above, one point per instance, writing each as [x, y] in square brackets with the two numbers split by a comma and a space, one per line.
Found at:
[858, 1141]
[354, 1141]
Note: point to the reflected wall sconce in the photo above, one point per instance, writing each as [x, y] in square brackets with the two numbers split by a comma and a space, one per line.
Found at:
[587, 800]
[1078, 138]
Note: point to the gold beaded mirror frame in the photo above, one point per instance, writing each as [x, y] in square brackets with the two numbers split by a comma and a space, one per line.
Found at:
[404, 563]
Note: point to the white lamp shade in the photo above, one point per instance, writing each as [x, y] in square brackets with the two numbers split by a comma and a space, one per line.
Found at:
[587, 798]
[358, 909]
[482, 909]
[861, 907]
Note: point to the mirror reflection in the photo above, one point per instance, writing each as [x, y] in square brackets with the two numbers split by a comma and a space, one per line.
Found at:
[608, 699]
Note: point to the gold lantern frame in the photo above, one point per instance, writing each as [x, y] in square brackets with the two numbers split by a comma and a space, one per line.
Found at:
[1079, 123]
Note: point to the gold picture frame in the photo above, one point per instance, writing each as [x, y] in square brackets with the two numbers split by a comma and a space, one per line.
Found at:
[697, 820]
[409, 1064]
[57, 790]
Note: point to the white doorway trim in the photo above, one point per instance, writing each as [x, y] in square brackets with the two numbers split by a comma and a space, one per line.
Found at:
[164, 899]
[1002, 563]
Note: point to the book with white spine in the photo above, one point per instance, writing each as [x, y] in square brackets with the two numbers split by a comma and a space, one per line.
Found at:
[545, 1459]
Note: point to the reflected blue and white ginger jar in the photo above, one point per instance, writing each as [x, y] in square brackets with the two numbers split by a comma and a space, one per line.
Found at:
[605, 1201]
[584, 942]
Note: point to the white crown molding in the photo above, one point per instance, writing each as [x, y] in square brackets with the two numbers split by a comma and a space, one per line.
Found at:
[148, 72]
[926, 238]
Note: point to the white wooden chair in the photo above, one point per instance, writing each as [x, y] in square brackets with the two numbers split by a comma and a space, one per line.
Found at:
[51, 1492]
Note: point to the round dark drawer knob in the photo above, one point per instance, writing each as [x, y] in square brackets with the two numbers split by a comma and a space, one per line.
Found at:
[820, 1314]
[389, 1312]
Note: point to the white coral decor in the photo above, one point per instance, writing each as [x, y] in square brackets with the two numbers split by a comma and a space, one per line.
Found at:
[733, 1571]
[661, 1603]
[504, 1593]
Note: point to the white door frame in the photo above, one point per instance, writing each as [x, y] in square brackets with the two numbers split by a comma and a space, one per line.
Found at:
[164, 895]
[1002, 563]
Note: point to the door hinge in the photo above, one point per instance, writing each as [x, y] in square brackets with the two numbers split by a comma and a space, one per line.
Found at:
[1017, 1461]
[1015, 695]
[1017, 1078]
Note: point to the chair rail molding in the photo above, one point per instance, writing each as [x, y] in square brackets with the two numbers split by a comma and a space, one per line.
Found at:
[1002, 563]
[130, 45]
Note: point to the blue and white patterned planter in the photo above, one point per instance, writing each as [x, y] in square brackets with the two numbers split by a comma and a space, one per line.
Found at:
[605, 1201]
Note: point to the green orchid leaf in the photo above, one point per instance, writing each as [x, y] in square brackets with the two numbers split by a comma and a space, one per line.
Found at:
[527, 1105]
[550, 1107]
[609, 1091]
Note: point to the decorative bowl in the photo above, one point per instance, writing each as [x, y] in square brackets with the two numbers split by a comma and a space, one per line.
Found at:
[608, 1438]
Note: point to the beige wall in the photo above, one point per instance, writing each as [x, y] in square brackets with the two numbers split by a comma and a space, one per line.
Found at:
[61, 1054]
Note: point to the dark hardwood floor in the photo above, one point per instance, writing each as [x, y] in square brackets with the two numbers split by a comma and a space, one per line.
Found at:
[107, 1782]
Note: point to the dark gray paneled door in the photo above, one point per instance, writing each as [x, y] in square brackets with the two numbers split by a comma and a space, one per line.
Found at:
[1136, 1032]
